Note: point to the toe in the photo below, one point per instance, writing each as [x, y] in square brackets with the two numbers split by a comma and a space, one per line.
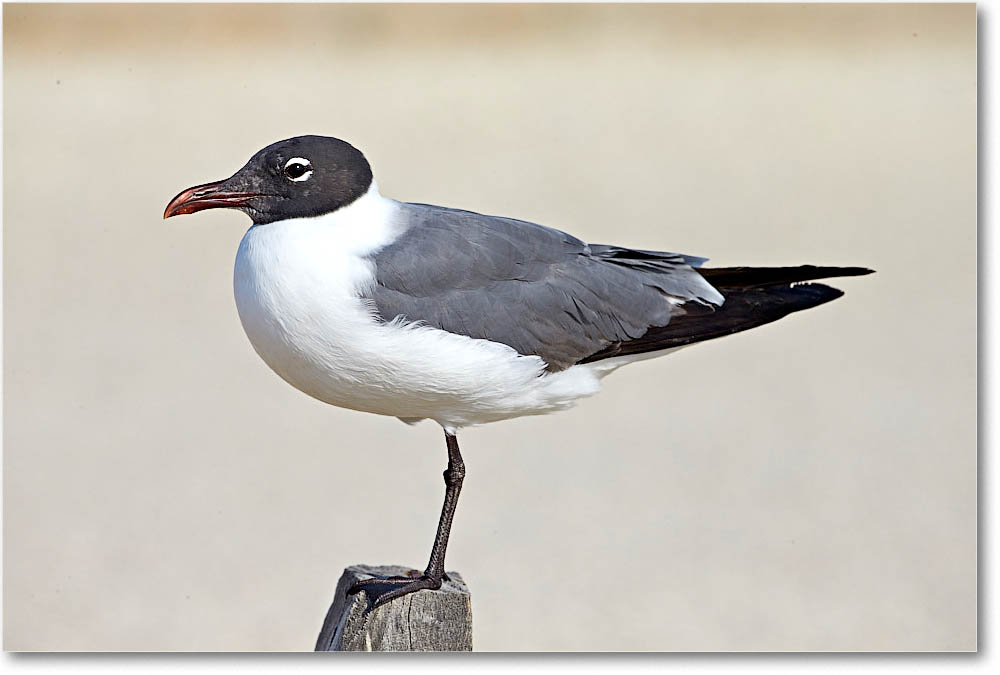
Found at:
[364, 584]
[381, 591]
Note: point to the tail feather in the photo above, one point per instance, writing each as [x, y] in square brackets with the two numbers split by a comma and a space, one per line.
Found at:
[754, 296]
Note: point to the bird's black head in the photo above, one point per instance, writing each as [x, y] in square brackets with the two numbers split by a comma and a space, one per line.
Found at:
[296, 178]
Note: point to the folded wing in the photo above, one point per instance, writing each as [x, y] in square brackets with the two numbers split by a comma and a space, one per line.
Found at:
[536, 289]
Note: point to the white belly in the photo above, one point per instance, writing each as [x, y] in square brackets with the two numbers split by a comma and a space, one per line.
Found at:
[296, 286]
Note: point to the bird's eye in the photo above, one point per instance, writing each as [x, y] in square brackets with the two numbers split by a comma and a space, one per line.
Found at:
[297, 169]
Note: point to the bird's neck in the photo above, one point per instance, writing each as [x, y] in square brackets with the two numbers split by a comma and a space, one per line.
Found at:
[363, 227]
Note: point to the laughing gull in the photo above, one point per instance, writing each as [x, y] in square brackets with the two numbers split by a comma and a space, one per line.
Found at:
[426, 312]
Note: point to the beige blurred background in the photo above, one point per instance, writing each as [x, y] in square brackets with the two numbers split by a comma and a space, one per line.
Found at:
[810, 485]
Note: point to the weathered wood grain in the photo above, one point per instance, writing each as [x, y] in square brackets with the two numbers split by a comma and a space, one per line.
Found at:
[438, 620]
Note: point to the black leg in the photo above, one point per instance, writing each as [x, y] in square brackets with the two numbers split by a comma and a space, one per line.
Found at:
[453, 477]
[395, 587]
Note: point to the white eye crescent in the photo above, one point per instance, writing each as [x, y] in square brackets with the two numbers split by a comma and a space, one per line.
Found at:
[298, 169]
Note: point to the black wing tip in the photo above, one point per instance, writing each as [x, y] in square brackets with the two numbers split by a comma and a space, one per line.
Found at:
[763, 277]
[808, 295]
[854, 271]
[744, 309]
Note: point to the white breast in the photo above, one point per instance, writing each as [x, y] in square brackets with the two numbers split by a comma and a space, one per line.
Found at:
[297, 285]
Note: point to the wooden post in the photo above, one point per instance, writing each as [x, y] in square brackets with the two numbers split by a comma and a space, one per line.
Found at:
[436, 621]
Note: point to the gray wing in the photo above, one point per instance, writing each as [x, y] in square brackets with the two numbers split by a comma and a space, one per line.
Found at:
[538, 290]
